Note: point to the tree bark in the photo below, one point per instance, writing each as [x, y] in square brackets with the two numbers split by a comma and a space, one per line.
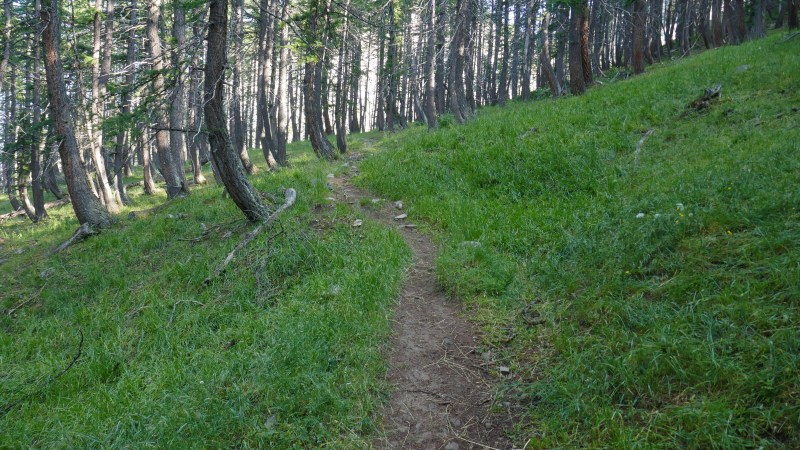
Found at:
[430, 76]
[313, 84]
[99, 81]
[227, 161]
[544, 57]
[88, 208]
[237, 125]
[37, 143]
[577, 84]
[639, 18]
[167, 159]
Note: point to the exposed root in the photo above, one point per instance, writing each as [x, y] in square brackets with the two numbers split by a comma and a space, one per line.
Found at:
[80, 234]
[291, 197]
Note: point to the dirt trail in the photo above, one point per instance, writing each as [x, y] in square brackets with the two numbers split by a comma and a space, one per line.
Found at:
[441, 393]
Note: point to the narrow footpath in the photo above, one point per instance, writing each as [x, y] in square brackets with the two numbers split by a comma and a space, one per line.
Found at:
[441, 393]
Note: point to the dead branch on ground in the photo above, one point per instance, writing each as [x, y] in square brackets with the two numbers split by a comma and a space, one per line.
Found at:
[291, 197]
[48, 205]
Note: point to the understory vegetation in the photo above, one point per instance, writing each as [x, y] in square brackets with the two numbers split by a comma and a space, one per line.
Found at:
[283, 350]
[637, 300]
[640, 301]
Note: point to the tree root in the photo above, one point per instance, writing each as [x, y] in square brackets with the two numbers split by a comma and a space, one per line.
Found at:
[291, 197]
[80, 234]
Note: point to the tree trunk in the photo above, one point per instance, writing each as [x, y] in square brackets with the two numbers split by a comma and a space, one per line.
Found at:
[341, 86]
[88, 208]
[225, 158]
[313, 85]
[124, 139]
[99, 81]
[237, 125]
[544, 57]
[167, 159]
[37, 143]
[177, 108]
[586, 60]
[716, 22]
[577, 84]
[282, 123]
[355, 76]
[791, 14]
[430, 77]
[441, 89]
[639, 18]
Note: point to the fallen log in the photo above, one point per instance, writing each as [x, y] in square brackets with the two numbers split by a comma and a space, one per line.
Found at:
[48, 205]
[291, 197]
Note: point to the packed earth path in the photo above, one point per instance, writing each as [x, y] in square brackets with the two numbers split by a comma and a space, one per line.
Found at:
[441, 394]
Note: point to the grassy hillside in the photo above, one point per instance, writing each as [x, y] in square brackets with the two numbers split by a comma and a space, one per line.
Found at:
[638, 305]
[292, 360]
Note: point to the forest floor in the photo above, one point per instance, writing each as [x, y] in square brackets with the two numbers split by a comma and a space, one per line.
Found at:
[631, 262]
[441, 392]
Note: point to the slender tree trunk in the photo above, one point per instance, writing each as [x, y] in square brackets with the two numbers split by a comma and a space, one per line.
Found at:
[99, 81]
[430, 76]
[281, 128]
[791, 14]
[341, 86]
[441, 89]
[716, 22]
[577, 84]
[502, 89]
[88, 208]
[639, 18]
[355, 76]
[167, 159]
[544, 56]
[177, 108]
[313, 85]
[225, 157]
[37, 143]
[237, 125]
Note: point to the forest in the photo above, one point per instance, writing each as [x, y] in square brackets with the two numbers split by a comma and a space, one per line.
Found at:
[400, 224]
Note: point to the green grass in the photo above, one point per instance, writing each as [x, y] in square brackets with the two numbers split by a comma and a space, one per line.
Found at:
[293, 362]
[677, 329]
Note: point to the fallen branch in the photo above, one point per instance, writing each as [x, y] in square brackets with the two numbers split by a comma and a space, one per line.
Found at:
[291, 197]
[84, 231]
[48, 205]
[147, 212]
[791, 36]
[11, 311]
[639, 149]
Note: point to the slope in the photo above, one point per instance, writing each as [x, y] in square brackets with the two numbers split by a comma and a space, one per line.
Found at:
[637, 303]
